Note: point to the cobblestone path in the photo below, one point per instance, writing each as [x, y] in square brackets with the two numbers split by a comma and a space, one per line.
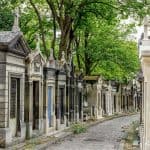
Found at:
[103, 136]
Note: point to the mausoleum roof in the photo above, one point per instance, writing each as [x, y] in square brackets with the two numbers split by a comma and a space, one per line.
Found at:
[7, 36]
[13, 41]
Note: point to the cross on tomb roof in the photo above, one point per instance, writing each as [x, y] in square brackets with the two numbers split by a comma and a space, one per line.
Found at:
[15, 27]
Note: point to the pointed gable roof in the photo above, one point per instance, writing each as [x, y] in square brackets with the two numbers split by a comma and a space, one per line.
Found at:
[13, 42]
[34, 54]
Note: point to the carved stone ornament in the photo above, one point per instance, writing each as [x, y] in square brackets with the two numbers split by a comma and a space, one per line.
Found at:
[37, 66]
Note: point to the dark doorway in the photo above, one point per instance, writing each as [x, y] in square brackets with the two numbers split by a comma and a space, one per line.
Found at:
[114, 103]
[15, 106]
[104, 103]
[71, 116]
[80, 105]
[35, 105]
[127, 102]
[62, 109]
[123, 103]
[49, 105]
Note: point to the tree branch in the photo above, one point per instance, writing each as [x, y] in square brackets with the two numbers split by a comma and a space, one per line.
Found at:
[40, 25]
[53, 9]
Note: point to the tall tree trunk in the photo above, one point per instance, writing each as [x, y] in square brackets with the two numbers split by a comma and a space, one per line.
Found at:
[87, 58]
[66, 33]
[54, 36]
[77, 42]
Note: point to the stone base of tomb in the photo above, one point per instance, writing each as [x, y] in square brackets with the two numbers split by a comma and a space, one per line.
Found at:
[6, 138]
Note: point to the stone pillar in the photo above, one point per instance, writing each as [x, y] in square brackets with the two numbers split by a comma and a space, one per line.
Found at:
[117, 103]
[146, 115]
[126, 102]
[22, 99]
[41, 106]
[109, 101]
[67, 100]
[145, 60]
[29, 107]
[100, 103]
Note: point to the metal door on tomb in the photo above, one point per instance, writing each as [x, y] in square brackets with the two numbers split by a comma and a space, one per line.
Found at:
[49, 105]
[36, 105]
[62, 109]
[14, 122]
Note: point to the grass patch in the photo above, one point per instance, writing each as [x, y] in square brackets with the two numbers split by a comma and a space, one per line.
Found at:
[78, 128]
[131, 135]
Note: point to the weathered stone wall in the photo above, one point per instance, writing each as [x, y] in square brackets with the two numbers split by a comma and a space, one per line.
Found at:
[10, 66]
[3, 92]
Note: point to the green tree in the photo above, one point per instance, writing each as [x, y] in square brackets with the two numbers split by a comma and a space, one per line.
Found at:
[103, 49]
[50, 15]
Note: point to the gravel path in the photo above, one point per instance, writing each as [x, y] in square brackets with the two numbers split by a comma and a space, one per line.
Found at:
[103, 136]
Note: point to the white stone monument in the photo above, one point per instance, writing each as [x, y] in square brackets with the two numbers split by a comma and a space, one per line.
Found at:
[145, 61]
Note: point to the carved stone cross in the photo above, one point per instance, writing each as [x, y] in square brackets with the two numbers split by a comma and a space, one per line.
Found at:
[16, 20]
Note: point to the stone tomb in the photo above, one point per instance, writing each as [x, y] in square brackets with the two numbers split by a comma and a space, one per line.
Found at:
[49, 95]
[79, 98]
[34, 93]
[94, 94]
[107, 101]
[60, 100]
[13, 51]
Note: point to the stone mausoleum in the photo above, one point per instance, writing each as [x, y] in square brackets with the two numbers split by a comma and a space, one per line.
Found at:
[13, 52]
[34, 92]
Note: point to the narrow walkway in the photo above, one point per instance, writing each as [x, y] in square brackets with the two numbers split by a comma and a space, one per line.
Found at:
[103, 136]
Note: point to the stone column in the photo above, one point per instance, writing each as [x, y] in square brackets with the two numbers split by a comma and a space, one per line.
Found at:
[41, 106]
[100, 102]
[67, 99]
[22, 99]
[109, 101]
[29, 106]
[117, 104]
[126, 102]
[145, 60]
[146, 116]
[57, 101]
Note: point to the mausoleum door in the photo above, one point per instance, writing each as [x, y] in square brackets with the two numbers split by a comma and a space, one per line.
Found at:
[49, 105]
[61, 91]
[80, 105]
[35, 105]
[104, 103]
[114, 103]
[14, 122]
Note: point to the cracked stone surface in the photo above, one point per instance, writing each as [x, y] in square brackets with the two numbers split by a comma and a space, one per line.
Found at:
[103, 136]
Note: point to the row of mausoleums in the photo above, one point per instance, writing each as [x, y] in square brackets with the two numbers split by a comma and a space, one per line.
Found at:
[108, 97]
[35, 97]
[39, 96]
